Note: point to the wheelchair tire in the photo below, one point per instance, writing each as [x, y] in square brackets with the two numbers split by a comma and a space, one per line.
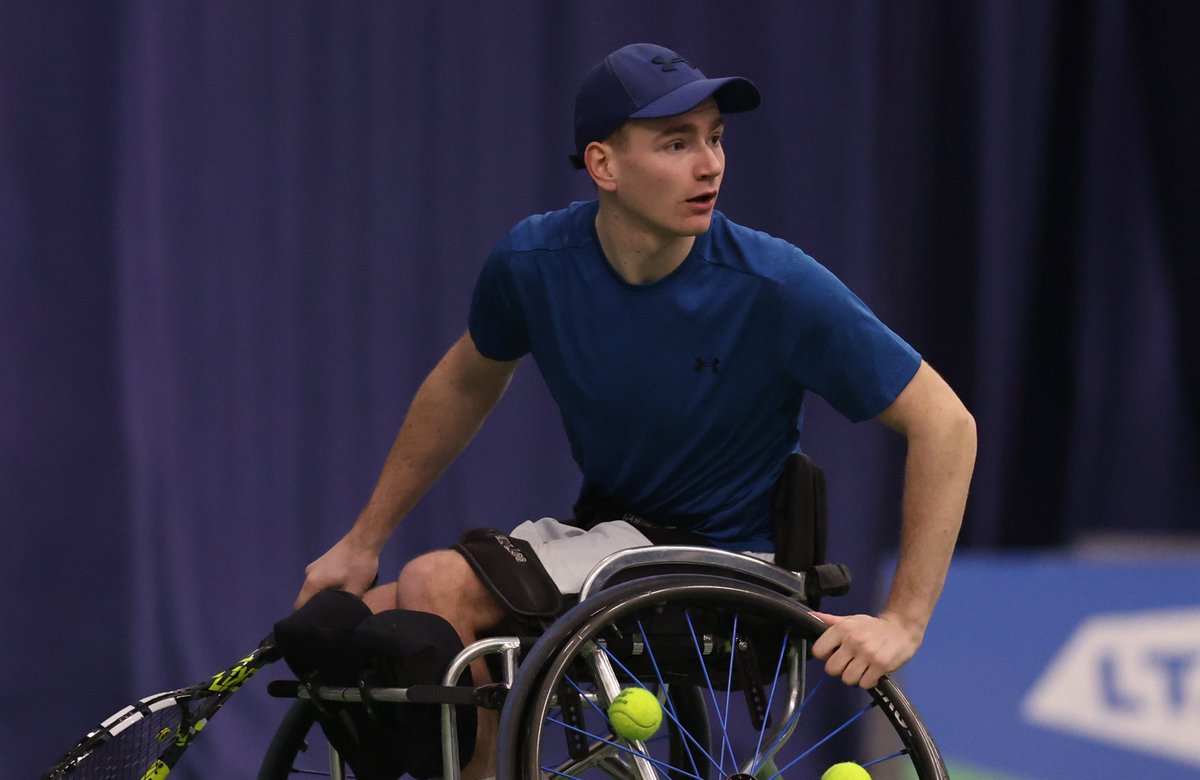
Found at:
[735, 640]
[291, 741]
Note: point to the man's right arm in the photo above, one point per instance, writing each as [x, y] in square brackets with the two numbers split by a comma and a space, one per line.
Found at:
[444, 416]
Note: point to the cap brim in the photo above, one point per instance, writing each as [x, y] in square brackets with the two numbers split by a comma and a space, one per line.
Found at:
[733, 94]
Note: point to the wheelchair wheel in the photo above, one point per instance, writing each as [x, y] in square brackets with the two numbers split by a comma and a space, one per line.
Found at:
[298, 747]
[744, 648]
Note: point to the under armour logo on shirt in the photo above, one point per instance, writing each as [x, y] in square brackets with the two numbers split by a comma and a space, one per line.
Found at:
[714, 364]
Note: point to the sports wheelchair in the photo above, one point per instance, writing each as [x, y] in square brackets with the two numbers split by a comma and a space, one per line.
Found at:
[722, 639]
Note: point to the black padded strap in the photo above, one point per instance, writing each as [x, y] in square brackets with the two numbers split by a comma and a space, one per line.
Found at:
[318, 644]
[408, 648]
[316, 637]
[510, 569]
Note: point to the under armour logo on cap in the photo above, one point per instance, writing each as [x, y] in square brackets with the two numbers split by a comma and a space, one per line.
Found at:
[645, 81]
[669, 64]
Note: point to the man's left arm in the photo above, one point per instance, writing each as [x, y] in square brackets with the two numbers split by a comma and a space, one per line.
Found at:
[941, 457]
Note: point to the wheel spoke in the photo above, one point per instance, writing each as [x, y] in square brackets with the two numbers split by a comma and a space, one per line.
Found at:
[669, 711]
[759, 758]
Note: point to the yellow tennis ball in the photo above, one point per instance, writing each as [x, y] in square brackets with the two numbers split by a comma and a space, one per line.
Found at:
[635, 714]
[847, 770]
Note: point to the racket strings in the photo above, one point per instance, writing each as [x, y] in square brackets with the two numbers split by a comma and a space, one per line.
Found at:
[133, 747]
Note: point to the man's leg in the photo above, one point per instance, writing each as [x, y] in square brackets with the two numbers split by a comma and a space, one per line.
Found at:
[442, 582]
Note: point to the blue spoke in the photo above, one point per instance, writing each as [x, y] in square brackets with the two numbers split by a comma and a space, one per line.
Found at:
[712, 693]
[823, 740]
[758, 754]
[623, 748]
[670, 709]
[595, 706]
[733, 638]
[796, 717]
[897, 754]
[602, 713]
[585, 697]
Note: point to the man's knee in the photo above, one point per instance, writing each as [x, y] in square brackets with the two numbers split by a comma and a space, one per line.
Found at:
[442, 582]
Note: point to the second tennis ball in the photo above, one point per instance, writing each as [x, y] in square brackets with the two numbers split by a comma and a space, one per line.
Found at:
[635, 714]
[847, 770]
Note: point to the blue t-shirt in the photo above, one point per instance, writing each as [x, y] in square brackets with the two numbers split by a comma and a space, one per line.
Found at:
[683, 398]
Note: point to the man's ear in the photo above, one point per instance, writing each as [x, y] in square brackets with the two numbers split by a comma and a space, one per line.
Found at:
[601, 165]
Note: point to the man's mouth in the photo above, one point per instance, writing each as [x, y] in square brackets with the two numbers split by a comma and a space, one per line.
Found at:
[707, 197]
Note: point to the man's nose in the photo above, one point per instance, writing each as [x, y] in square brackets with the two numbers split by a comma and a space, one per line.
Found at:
[711, 163]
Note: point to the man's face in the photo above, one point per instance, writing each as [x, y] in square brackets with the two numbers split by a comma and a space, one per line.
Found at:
[668, 170]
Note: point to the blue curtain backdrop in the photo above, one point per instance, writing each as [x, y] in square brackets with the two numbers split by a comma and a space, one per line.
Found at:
[234, 237]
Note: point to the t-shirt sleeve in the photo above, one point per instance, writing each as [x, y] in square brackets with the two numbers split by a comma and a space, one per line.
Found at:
[496, 322]
[843, 352]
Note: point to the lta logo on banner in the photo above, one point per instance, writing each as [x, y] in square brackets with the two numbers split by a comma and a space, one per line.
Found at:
[1131, 679]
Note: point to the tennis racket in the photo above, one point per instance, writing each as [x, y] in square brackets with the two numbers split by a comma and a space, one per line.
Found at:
[145, 740]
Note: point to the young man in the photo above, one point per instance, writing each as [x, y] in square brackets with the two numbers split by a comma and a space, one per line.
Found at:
[679, 347]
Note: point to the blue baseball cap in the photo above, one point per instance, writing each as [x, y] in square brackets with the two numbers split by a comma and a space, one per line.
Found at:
[645, 81]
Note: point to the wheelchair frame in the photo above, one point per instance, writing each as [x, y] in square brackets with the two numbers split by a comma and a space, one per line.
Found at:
[748, 574]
